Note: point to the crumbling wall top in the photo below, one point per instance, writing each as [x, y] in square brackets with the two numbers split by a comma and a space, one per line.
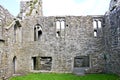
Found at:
[114, 4]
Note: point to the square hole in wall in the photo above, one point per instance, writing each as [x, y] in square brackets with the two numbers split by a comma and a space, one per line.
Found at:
[81, 61]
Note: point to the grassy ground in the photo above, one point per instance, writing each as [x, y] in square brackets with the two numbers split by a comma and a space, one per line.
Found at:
[53, 76]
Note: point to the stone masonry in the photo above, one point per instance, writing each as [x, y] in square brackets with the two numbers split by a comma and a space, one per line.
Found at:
[111, 31]
[5, 20]
[61, 44]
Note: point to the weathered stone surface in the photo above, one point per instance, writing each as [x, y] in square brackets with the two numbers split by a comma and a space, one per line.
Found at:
[112, 39]
[5, 20]
[63, 44]
[114, 4]
[78, 40]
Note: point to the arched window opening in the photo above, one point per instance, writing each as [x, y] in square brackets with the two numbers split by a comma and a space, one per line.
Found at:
[95, 24]
[60, 27]
[37, 32]
[17, 31]
[99, 24]
[95, 27]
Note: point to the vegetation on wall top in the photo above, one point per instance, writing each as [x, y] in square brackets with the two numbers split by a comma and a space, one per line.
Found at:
[32, 5]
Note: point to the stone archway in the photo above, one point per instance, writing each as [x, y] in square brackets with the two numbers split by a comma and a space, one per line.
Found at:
[14, 64]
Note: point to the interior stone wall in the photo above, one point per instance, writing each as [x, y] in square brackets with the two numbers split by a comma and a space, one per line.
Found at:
[78, 40]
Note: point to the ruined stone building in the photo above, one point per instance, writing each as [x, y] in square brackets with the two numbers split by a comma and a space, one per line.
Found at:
[63, 44]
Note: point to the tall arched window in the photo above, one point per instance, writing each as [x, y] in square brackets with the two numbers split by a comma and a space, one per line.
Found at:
[37, 32]
[17, 31]
[62, 25]
[57, 28]
[95, 24]
[99, 24]
[58, 25]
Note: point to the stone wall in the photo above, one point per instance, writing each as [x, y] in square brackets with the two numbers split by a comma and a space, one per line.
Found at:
[75, 39]
[60, 44]
[114, 4]
[5, 20]
[112, 39]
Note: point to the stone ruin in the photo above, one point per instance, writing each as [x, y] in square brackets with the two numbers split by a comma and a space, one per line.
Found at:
[61, 44]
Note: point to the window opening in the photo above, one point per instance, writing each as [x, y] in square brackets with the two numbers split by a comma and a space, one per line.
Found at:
[42, 63]
[58, 25]
[58, 33]
[37, 32]
[17, 31]
[95, 33]
[81, 61]
[95, 24]
[62, 25]
[60, 28]
[95, 27]
[99, 24]
[46, 63]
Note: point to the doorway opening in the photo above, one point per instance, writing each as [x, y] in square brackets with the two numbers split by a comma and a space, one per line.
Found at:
[14, 64]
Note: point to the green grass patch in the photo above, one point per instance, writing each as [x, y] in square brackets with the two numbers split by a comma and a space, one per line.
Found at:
[53, 76]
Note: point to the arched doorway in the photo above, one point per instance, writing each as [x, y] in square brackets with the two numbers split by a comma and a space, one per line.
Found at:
[14, 64]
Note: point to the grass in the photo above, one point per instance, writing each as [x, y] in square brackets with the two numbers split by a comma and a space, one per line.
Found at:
[53, 76]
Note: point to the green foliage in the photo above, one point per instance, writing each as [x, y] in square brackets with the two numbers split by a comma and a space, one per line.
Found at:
[35, 1]
[54, 76]
[32, 5]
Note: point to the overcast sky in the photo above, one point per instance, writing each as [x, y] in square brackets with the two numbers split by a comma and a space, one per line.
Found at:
[63, 7]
